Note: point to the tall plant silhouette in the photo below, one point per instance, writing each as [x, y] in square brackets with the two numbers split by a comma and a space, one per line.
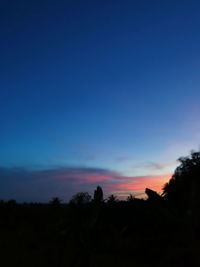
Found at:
[98, 195]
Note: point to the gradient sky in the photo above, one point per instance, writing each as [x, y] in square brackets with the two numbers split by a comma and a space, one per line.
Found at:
[100, 92]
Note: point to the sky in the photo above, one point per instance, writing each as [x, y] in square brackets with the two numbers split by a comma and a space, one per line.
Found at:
[102, 92]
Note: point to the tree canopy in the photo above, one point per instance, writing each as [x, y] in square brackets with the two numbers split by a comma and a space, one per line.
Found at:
[183, 188]
[81, 198]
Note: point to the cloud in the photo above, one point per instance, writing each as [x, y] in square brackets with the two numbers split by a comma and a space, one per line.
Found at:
[151, 166]
[122, 159]
[84, 148]
[89, 158]
[41, 185]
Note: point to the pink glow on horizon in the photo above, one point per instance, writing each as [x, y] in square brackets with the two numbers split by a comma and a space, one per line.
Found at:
[120, 185]
[137, 185]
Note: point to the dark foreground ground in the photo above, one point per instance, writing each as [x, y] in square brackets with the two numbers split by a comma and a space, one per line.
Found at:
[139, 233]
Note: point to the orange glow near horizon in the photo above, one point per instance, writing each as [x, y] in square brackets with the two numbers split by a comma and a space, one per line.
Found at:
[121, 186]
[137, 185]
[154, 182]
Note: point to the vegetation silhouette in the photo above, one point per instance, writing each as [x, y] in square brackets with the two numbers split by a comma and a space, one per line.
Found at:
[111, 200]
[98, 195]
[162, 230]
[183, 189]
[81, 198]
[130, 198]
[55, 202]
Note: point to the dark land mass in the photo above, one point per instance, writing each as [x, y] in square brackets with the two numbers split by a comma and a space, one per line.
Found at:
[163, 230]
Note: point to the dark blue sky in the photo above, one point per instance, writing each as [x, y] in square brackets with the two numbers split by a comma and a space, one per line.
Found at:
[109, 85]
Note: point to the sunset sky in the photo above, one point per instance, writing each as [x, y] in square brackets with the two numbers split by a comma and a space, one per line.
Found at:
[99, 92]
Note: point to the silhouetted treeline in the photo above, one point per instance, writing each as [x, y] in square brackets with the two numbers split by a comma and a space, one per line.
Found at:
[163, 230]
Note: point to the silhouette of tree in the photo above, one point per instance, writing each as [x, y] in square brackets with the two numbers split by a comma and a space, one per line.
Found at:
[81, 198]
[183, 188]
[55, 202]
[98, 195]
[111, 200]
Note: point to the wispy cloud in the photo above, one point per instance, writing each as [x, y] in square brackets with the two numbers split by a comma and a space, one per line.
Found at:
[122, 159]
[89, 158]
[151, 166]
